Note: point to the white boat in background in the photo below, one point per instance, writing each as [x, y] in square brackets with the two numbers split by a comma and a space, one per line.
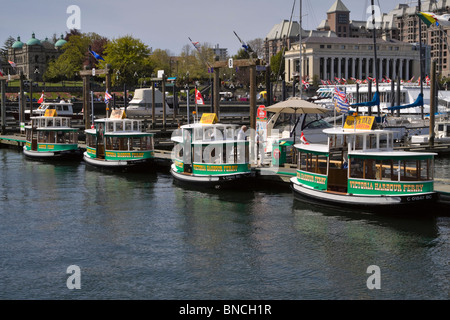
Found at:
[405, 122]
[441, 134]
[141, 104]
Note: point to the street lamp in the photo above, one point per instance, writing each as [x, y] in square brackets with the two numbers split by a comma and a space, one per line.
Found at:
[36, 72]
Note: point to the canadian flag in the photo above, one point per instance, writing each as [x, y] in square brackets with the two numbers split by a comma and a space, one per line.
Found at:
[41, 99]
[198, 97]
[303, 139]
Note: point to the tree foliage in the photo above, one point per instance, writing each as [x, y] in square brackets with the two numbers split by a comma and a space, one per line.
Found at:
[75, 55]
[129, 59]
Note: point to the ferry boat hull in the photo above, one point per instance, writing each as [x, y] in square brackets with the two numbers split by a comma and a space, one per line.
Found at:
[73, 154]
[360, 201]
[237, 180]
[120, 165]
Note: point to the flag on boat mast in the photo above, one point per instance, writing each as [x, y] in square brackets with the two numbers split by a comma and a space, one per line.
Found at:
[96, 55]
[41, 99]
[303, 139]
[198, 97]
[107, 97]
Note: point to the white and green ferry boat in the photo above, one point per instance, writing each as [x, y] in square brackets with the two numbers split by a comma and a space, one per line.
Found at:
[359, 167]
[51, 138]
[120, 144]
[210, 155]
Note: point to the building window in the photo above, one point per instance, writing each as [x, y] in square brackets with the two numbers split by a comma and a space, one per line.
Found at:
[356, 48]
[322, 46]
[329, 46]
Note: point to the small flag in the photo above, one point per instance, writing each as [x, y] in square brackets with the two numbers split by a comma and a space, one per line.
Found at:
[306, 84]
[427, 79]
[96, 55]
[342, 104]
[12, 63]
[107, 97]
[303, 139]
[41, 99]
[198, 97]
[1, 73]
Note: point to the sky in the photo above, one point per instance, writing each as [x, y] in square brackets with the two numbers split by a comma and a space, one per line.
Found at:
[169, 24]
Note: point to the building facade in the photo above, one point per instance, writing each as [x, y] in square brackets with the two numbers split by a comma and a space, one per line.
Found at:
[33, 56]
[330, 58]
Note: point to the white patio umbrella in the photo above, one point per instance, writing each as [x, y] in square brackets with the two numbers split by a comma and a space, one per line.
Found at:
[296, 105]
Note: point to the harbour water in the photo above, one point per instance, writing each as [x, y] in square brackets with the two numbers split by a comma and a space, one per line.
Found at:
[140, 236]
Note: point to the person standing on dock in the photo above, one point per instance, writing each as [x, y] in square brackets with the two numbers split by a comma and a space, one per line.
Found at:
[242, 135]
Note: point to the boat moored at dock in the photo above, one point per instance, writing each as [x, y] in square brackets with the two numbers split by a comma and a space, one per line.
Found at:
[210, 154]
[360, 168]
[51, 137]
[119, 143]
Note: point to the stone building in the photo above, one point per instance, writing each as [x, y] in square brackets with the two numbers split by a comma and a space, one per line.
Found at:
[402, 24]
[284, 34]
[33, 56]
[330, 58]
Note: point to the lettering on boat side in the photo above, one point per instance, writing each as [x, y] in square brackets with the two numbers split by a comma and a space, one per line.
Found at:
[311, 178]
[74, 280]
[244, 309]
[374, 281]
[387, 187]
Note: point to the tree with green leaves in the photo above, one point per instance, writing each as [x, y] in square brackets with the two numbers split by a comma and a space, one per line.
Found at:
[75, 55]
[277, 65]
[4, 51]
[129, 59]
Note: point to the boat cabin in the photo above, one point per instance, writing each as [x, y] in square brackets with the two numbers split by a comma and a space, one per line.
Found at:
[62, 108]
[119, 139]
[363, 161]
[50, 133]
[210, 149]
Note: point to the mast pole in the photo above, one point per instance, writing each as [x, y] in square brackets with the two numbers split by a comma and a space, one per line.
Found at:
[375, 53]
[300, 82]
[422, 71]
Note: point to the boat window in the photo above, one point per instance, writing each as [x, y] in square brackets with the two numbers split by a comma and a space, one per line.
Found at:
[416, 170]
[119, 126]
[128, 126]
[313, 163]
[227, 153]
[91, 140]
[109, 127]
[60, 136]
[57, 122]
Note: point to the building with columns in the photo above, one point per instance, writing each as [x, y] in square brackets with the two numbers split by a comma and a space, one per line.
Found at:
[330, 58]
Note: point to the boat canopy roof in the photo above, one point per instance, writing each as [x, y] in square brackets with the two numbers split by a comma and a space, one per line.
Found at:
[391, 155]
[51, 123]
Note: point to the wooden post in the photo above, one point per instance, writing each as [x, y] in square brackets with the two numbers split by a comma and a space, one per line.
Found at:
[153, 105]
[253, 97]
[86, 105]
[22, 100]
[216, 91]
[31, 97]
[432, 101]
[268, 89]
[163, 88]
[3, 105]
